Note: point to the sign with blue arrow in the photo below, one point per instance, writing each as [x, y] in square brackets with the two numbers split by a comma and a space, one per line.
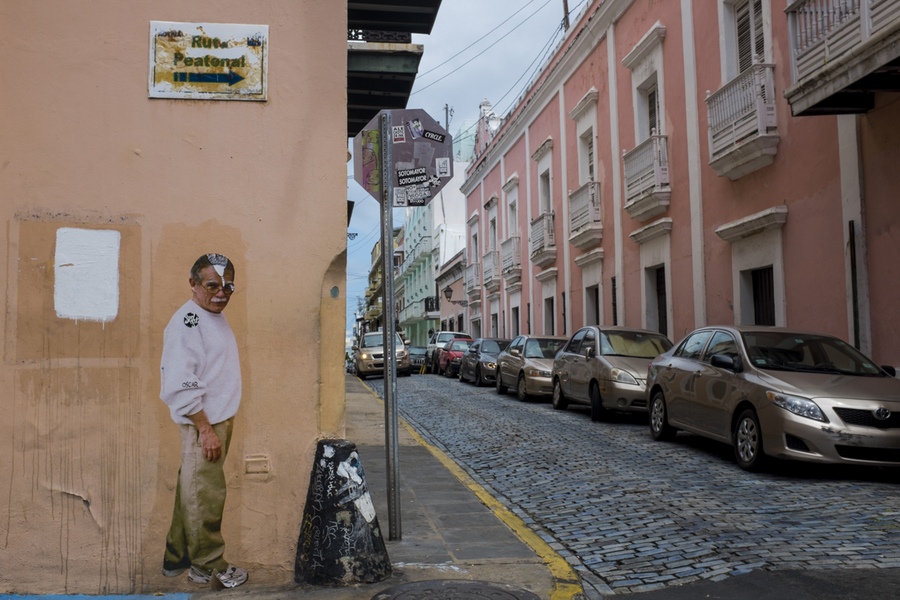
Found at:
[208, 61]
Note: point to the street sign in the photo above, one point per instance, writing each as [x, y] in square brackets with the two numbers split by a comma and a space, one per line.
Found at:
[208, 61]
[421, 157]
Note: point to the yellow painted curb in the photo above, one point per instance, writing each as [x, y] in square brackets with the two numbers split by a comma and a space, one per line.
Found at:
[566, 583]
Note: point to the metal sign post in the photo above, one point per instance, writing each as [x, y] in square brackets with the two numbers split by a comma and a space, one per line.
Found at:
[390, 335]
[413, 148]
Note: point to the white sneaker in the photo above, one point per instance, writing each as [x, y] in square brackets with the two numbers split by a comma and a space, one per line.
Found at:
[232, 577]
[198, 576]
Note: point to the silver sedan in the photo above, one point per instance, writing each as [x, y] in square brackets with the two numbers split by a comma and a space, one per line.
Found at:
[774, 392]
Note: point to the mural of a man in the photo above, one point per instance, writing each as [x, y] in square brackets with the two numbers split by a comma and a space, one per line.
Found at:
[201, 384]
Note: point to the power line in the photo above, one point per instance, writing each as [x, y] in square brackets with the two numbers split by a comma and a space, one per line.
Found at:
[483, 51]
[528, 68]
[478, 40]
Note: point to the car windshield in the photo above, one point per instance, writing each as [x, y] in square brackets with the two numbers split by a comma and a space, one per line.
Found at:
[460, 345]
[785, 351]
[633, 343]
[543, 348]
[375, 340]
[494, 346]
[445, 337]
[417, 350]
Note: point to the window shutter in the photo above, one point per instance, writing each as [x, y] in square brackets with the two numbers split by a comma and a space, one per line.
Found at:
[749, 29]
[653, 110]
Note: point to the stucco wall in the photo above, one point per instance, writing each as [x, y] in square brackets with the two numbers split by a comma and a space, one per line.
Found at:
[90, 454]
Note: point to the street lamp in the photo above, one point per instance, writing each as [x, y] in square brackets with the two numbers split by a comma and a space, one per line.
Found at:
[448, 293]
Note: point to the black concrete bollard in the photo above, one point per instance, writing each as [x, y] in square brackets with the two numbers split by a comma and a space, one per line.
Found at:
[340, 541]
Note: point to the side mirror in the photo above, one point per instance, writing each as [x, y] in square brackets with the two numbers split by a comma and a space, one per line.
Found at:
[889, 370]
[354, 348]
[726, 362]
[515, 352]
[590, 352]
[407, 342]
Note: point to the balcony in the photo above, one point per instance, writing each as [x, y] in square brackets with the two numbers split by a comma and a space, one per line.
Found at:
[491, 271]
[647, 188]
[585, 224]
[412, 313]
[418, 253]
[543, 241]
[473, 280]
[842, 52]
[433, 307]
[510, 260]
[742, 129]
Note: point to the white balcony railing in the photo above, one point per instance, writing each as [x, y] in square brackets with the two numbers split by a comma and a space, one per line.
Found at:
[542, 233]
[413, 313]
[510, 254]
[646, 168]
[741, 114]
[491, 266]
[585, 224]
[647, 178]
[473, 279]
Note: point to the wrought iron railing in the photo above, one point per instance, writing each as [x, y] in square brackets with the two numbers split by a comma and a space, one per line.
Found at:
[384, 37]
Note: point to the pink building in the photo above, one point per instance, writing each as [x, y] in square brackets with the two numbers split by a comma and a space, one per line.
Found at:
[659, 174]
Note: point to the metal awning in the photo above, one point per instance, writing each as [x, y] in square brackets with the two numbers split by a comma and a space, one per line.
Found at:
[380, 74]
[409, 16]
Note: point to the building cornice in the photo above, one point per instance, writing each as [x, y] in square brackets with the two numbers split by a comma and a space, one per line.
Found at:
[593, 29]
[511, 183]
[513, 288]
[589, 258]
[547, 275]
[473, 218]
[543, 149]
[587, 102]
[491, 203]
[765, 220]
[651, 40]
[652, 231]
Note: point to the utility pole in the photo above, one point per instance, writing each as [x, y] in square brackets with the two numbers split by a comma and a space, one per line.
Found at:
[566, 14]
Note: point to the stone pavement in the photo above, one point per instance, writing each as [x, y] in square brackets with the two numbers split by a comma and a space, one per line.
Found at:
[632, 515]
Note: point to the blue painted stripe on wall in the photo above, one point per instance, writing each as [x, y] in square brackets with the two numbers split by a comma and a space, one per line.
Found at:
[85, 597]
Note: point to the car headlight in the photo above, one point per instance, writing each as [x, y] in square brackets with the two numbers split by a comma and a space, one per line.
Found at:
[456, 359]
[489, 365]
[401, 353]
[537, 373]
[622, 376]
[798, 406]
[365, 356]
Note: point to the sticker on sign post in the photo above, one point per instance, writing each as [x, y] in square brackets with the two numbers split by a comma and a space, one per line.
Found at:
[399, 134]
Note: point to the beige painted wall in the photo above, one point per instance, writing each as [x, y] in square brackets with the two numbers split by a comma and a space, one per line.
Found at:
[88, 452]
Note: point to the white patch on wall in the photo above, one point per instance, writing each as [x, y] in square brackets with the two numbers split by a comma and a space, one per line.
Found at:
[86, 269]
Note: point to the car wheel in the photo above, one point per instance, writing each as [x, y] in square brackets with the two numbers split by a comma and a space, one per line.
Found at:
[521, 390]
[659, 419]
[559, 401]
[748, 443]
[598, 413]
[501, 389]
[479, 377]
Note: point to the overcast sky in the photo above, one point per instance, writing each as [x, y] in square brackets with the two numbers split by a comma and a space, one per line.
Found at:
[498, 73]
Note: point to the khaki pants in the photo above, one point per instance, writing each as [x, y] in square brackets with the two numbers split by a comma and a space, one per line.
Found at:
[195, 537]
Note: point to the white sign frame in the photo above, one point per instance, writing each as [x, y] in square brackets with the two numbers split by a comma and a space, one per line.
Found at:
[208, 61]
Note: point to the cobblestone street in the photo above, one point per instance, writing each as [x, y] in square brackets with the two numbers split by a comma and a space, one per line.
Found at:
[631, 514]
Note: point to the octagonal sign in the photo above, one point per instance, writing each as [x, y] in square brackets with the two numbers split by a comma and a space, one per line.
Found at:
[421, 157]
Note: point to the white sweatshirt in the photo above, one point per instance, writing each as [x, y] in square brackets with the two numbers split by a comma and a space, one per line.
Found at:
[200, 367]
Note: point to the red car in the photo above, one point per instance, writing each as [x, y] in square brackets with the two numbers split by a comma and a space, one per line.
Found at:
[451, 355]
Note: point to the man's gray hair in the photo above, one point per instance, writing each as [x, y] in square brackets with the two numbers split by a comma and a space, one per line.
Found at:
[210, 260]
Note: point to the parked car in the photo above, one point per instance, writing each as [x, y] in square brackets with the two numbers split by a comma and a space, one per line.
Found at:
[416, 358]
[479, 363]
[436, 343]
[605, 368]
[451, 355]
[526, 364]
[775, 392]
[369, 356]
